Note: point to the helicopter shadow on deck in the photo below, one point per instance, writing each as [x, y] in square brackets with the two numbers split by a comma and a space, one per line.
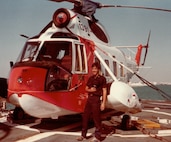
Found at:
[6, 130]
[71, 123]
[60, 124]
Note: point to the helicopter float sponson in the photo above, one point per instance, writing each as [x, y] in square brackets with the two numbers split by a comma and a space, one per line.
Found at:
[49, 77]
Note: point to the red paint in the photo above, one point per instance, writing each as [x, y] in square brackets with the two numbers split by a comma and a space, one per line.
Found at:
[138, 55]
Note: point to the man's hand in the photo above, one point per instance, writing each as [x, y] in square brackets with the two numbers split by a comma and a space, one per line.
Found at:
[102, 107]
[93, 89]
[90, 90]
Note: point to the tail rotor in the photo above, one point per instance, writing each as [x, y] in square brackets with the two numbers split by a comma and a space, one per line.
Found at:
[146, 46]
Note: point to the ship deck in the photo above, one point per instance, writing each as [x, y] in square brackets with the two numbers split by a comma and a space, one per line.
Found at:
[152, 124]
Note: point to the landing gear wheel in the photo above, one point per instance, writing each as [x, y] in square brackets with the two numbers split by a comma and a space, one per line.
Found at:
[18, 113]
[125, 124]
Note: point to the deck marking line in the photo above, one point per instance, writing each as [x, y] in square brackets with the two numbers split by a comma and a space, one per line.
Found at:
[139, 135]
[159, 112]
[48, 134]
[24, 127]
[156, 103]
[164, 131]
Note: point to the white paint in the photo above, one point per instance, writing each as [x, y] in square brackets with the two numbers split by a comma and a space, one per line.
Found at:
[24, 127]
[158, 112]
[164, 121]
[41, 109]
[123, 98]
[139, 135]
[161, 132]
[48, 134]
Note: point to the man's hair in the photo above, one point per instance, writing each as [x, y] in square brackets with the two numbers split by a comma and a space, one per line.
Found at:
[96, 64]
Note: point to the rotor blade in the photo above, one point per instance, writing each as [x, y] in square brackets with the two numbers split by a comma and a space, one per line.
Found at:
[137, 7]
[72, 1]
[145, 56]
[57, 0]
[115, 6]
[148, 38]
[146, 46]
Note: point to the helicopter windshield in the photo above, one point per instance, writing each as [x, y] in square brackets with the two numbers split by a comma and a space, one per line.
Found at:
[57, 51]
[29, 51]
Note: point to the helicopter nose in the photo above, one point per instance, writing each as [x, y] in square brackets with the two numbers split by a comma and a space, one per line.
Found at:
[27, 78]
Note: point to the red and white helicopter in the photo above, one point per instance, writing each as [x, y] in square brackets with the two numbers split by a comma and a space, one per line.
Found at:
[49, 77]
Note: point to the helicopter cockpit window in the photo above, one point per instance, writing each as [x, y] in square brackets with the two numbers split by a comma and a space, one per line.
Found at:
[57, 51]
[57, 79]
[28, 52]
[80, 59]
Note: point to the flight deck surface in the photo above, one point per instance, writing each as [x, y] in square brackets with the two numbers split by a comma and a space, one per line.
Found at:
[152, 124]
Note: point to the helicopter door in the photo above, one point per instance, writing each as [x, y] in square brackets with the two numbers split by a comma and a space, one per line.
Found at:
[80, 62]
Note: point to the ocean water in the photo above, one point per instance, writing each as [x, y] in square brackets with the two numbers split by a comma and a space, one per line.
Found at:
[145, 92]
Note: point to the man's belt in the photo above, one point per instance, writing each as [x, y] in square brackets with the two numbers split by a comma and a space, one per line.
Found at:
[91, 95]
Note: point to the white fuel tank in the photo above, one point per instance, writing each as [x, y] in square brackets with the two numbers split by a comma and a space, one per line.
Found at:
[123, 98]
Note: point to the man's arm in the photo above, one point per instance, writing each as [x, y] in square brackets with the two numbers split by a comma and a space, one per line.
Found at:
[104, 98]
[90, 90]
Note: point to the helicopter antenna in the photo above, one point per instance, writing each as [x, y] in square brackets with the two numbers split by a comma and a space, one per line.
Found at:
[24, 36]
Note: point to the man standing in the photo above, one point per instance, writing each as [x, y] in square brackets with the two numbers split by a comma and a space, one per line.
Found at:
[96, 87]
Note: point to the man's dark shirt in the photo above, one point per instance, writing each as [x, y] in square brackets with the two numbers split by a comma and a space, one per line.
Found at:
[99, 82]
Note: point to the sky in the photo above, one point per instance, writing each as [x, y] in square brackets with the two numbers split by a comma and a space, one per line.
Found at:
[124, 26]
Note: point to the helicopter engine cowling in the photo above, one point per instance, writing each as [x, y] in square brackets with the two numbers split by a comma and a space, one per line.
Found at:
[122, 97]
[61, 18]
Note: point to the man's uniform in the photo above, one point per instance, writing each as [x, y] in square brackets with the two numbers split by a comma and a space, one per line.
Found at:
[93, 105]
